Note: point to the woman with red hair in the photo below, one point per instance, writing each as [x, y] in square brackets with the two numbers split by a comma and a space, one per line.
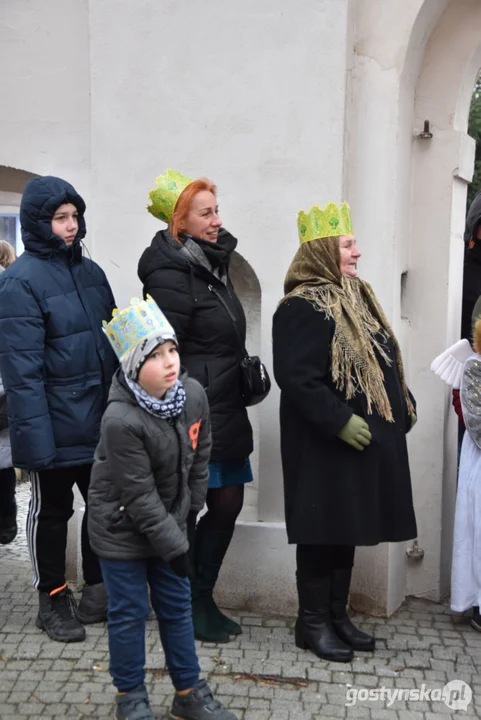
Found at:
[186, 271]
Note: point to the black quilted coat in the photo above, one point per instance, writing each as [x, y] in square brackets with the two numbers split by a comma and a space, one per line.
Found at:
[210, 344]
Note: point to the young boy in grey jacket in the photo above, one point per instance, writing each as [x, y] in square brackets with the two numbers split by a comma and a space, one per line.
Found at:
[149, 481]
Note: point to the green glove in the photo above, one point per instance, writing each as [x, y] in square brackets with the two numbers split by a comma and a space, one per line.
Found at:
[356, 433]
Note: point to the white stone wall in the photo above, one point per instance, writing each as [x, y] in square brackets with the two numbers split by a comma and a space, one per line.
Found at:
[251, 95]
[44, 88]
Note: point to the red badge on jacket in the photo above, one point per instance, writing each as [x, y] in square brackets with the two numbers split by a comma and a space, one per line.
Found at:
[194, 434]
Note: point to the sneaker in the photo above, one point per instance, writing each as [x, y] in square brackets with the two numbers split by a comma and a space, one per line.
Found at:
[134, 705]
[57, 616]
[8, 529]
[199, 704]
[92, 607]
[476, 619]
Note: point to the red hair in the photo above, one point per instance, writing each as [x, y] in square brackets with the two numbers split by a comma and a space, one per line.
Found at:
[184, 201]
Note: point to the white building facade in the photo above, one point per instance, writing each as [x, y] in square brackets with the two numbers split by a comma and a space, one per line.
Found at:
[283, 105]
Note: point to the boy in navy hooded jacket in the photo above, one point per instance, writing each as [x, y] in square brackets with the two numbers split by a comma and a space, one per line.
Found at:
[56, 366]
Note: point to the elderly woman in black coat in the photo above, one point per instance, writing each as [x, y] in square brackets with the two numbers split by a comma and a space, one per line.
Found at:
[345, 412]
[186, 271]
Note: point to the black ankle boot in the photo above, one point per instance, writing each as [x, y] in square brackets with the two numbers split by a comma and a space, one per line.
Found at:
[314, 629]
[349, 633]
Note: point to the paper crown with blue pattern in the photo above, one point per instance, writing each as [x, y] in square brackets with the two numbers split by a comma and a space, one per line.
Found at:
[131, 326]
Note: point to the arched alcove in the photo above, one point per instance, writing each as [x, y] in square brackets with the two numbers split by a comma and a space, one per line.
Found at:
[14, 180]
[12, 183]
[248, 289]
[440, 170]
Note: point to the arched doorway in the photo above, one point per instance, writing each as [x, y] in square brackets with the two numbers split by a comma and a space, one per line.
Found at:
[408, 197]
[442, 165]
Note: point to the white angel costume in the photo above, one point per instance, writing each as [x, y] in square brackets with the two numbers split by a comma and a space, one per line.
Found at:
[449, 365]
[466, 566]
[460, 368]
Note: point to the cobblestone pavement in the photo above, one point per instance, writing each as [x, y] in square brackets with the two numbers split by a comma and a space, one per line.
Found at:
[260, 676]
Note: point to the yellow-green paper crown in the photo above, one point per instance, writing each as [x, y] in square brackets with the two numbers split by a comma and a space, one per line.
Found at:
[164, 197]
[130, 326]
[330, 222]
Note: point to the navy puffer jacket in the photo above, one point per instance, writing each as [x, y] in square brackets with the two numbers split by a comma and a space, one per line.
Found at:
[55, 361]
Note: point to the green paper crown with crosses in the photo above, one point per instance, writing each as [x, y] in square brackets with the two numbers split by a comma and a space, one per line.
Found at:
[332, 221]
[164, 197]
[130, 326]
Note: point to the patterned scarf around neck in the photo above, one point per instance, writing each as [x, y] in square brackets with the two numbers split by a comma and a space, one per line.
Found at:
[361, 326]
[170, 406]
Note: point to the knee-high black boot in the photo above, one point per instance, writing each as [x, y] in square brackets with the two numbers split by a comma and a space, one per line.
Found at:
[210, 547]
[340, 584]
[314, 629]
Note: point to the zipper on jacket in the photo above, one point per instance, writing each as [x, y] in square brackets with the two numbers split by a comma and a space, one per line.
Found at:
[97, 339]
[180, 474]
[227, 308]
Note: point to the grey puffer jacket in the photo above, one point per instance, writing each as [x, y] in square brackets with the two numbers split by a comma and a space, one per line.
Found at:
[148, 474]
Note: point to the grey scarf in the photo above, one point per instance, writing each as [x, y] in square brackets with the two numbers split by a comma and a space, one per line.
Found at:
[189, 249]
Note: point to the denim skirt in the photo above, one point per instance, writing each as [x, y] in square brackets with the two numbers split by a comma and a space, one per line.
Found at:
[230, 472]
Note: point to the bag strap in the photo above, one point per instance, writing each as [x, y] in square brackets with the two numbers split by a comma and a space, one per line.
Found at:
[232, 317]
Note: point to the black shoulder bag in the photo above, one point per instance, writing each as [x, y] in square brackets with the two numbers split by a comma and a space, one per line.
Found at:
[255, 380]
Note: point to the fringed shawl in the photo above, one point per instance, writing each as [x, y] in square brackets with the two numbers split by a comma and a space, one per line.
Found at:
[361, 326]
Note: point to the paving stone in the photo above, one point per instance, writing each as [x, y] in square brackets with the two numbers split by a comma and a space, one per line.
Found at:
[260, 703]
[358, 712]
[384, 714]
[259, 675]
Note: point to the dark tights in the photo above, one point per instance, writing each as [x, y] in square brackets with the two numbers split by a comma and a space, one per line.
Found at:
[318, 561]
[223, 506]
